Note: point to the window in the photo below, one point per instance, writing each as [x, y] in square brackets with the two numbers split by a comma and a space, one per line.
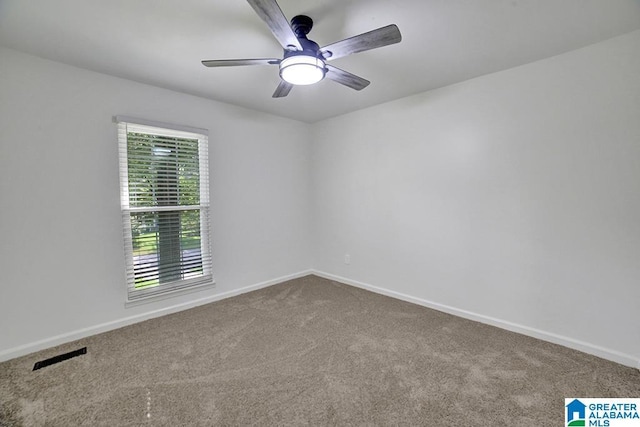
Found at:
[164, 193]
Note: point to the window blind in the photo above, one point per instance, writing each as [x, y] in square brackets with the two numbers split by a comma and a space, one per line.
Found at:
[164, 182]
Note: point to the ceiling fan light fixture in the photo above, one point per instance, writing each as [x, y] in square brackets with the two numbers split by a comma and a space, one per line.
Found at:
[302, 69]
[304, 61]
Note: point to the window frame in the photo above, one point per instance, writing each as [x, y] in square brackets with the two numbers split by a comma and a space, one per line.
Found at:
[125, 125]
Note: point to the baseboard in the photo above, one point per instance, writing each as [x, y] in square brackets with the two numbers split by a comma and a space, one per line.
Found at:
[595, 350]
[108, 326]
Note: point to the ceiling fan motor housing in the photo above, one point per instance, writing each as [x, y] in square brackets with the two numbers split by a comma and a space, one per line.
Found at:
[301, 26]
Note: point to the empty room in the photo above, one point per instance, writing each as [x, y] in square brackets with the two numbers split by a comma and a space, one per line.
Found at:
[261, 212]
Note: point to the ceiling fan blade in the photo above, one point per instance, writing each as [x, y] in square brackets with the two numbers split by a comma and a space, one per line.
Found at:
[346, 78]
[272, 15]
[366, 41]
[236, 62]
[282, 90]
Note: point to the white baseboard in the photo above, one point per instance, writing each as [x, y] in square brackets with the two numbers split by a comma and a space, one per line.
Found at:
[605, 353]
[108, 326]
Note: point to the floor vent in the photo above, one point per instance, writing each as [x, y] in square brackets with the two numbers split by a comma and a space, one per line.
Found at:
[59, 358]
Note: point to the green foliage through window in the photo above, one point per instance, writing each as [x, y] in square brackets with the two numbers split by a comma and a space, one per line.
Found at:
[164, 172]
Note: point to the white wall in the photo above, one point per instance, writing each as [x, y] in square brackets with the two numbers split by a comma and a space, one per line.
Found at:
[61, 256]
[513, 198]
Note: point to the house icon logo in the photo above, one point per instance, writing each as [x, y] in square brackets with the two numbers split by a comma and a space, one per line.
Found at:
[576, 413]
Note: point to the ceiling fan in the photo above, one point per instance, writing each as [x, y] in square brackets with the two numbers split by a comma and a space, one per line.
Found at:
[304, 62]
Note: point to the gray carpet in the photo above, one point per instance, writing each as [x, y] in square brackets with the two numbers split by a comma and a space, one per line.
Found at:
[307, 352]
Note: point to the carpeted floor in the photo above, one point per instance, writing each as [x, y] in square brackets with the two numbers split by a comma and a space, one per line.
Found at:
[307, 352]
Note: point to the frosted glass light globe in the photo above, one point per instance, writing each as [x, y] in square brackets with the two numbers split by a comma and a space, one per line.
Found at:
[302, 70]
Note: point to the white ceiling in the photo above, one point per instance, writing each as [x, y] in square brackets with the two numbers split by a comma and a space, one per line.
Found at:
[444, 42]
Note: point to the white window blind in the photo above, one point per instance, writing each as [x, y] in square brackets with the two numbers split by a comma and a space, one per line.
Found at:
[164, 188]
